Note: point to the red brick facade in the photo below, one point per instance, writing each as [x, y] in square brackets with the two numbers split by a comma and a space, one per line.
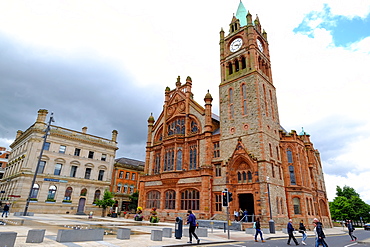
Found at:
[192, 155]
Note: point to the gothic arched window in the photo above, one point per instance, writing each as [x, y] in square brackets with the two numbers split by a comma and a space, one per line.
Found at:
[230, 68]
[244, 99]
[190, 200]
[153, 199]
[170, 199]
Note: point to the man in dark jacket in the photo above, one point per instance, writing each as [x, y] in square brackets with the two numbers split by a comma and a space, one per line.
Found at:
[350, 230]
[192, 224]
[6, 210]
[320, 235]
[290, 230]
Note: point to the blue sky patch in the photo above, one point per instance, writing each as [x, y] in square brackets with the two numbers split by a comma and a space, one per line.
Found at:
[344, 30]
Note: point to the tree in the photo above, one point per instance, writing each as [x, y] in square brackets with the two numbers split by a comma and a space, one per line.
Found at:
[106, 202]
[134, 198]
[348, 205]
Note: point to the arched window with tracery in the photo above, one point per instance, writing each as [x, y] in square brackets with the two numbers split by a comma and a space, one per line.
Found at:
[244, 177]
[239, 177]
[190, 199]
[68, 194]
[176, 127]
[153, 199]
[170, 199]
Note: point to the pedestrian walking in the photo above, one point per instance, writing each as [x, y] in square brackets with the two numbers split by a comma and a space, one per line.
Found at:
[350, 230]
[245, 215]
[6, 210]
[320, 235]
[290, 230]
[192, 224]
[302, 229]
[257, 225]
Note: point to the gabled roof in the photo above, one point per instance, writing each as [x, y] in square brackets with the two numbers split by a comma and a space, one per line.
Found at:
[131, 162]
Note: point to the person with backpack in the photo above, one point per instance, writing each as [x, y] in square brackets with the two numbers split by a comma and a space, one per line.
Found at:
[192, 224]
[257, 226]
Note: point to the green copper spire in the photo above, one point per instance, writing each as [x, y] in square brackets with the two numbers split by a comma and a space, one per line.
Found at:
[241, 14]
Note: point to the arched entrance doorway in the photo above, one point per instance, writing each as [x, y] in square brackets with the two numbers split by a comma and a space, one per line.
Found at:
[81, 206]
[246, 202]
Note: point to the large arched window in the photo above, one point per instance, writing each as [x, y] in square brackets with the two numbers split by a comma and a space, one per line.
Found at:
[51, 192]
[297, 205]
[35, 191]
[170, 199]
[153, 199]
[68, 194]
[190, 200]
[97, 195]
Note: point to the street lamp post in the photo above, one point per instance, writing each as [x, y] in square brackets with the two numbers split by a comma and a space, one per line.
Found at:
[38, 164]
[271, 221]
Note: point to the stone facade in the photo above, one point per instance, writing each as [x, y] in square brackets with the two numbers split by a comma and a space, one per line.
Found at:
[75, 169]
[192, 155]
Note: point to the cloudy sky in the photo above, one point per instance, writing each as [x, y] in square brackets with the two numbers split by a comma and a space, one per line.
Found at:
[105, 65]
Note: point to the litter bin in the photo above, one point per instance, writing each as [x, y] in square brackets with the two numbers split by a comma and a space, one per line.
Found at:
[178, 228]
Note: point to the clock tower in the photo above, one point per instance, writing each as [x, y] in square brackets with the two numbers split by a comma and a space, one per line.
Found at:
[249, 120]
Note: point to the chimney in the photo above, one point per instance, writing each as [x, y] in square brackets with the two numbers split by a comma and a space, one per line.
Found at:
[42, 113]
[84, 130]
[114, 135]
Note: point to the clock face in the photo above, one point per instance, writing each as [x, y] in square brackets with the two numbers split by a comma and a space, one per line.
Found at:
[259, 44]
[236, 44]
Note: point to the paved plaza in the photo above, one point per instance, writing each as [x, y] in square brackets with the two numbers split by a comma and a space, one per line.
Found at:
[140, 231]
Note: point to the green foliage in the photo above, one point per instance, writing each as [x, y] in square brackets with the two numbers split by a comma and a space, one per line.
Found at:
[347, 192]
[348, 205]
[134, 198]
[106, 202]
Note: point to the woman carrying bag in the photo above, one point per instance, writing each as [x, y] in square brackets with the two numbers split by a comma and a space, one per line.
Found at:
[302, 229]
